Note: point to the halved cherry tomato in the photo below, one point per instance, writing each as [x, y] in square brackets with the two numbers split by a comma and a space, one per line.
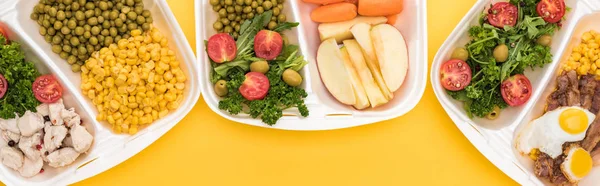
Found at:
[255, 87]
[221, 48]
[456, 75]
[3, 86]
[503, 14]
[3, 32]
[551, 11]
[47, 89]
[268, 44]
[516, 90]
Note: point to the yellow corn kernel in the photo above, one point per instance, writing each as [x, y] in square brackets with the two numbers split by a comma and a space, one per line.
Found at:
[154, 115]
[110, 119]
[172, 105]
[133, 130]
[100, 117]
[586, 36]
[162, 103]
[163, 113]
[114, 105]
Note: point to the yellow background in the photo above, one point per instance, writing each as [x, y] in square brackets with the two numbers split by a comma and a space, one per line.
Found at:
[421, 148]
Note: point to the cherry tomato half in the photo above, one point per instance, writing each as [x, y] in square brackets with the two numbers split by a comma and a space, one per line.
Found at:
[3, 86]
[456, 75]
[503, 14]
[516, 90]
[255, 87]
[552, 11]
[221, 48]
[268, 44]
[47, 89]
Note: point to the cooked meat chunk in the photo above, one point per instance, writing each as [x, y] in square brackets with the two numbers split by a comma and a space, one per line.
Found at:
[596, 99]
[30, 123]
[11, 157]
[31, 167]
[573, 94]
[558, 98]
[31, 145]
[70, 117]
[55, 110]
[587, 88]
[596, 156]
[54, 137]
[10, 136]
[62, 157]
[10, 125]
[81, 138]
[42, 109]
[592, 136]
[547, 168]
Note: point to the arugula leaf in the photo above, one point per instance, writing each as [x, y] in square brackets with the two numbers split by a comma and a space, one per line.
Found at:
[285, 26]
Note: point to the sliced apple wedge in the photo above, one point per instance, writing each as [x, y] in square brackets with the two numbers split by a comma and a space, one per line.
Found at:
[392, 54]
[341, 30]
[333, 72]
[362, 101]
[362, 34]
[374, 94]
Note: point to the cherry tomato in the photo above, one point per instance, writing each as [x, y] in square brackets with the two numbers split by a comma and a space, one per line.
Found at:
[503, 14]
[268, 44]
[3, 86]
[552, 11]
[221, 48]
[516, 90]
[47, 89]
[255, 87]
[456, 75]
[3, 32]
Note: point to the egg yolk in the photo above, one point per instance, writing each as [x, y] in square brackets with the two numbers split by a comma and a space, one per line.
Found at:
[573, 121]
[581, 163]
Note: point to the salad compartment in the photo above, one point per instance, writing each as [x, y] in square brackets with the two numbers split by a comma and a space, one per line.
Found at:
[108, 149]
[326, 112]
[494, 138]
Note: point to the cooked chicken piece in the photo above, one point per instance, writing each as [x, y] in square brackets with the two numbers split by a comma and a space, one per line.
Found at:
[31, 167]
[10, 136]
[68, 141]
[62, 157]
[10, 125]
[54, 137]
[31, 145]
[70, 117]
[55, 110]
[3, 142]
[11, 157]
[30, 123]
[81, 138]
[43, 109]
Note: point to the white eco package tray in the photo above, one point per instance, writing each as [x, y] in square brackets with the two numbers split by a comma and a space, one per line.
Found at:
[495, 138]
[109, 149]
[325, 111]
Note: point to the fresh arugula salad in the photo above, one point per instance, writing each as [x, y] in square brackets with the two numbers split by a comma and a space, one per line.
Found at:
[257, 74]
[487, 74]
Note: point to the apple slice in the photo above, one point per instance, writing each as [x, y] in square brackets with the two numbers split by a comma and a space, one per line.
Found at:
[333, 72]
[362, 102]
[376, 98]
[392, 54]
[362, 33]
[341, 30]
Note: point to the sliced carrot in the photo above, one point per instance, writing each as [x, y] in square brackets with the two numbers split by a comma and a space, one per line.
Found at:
[379, 7]
[392, 19]
[334, 13]
[351, 1]
[322, 2]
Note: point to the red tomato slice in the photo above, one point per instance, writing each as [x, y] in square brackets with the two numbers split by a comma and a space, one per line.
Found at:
[268, 44]
[221, 48]
[516, 90]
[552, 11]
[456, 75]
[255, 87]
[503, 13]
[3, 86]
[47, 89]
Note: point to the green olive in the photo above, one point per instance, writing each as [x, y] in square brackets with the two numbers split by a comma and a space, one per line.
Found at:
[218, 25]
[501, 53]
[460, 53]
[272, 25]
[544, 40]
[292, 78]
[494, 114]
[221, 88]
[259, 66]
[267, 5]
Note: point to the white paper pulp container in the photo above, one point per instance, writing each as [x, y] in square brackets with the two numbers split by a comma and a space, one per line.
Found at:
[495, 138]
[109, 149]
[325, 111]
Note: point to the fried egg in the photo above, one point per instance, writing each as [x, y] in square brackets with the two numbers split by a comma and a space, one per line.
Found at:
[577, 164]
[549, 132]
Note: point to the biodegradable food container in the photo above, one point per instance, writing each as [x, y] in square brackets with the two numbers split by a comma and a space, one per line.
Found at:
[108, 149]
[325, 111]
[495, 138]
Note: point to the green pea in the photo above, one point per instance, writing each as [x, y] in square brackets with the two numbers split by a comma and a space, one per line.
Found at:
[46, 23]
[218, 25]
[225, 21]
[228, 2]
[130, 2]
[217, 8]
[260, 10]
[122, 29]
[75, 6]
[276, 11]
[48, 38]
[56, 40]
[272, 25]
[60, 15]
[132, 26]
[100, 19]
[106, 24]
[87, 27]
[90, 6]
[260, 2]
[56, 49]
[65, 30]
[149, 20]
[222, 13]
[87, 34]
[108, 40]
[254, 4]
[231, 17]
[76, 67]
[141, 20]
[51, 31]
[131, 16]
[93, 21]
[247, 2]
[280, 6]
[71, 59]
[118, 22]
[58, 25]
[67, 48]
[281, 18]
[117, 38]
[267, 5]
[146, 13]
[82, 50]
[274, 2]
[43, 31]
[67, 2]
[250, 15]
[228, 29]
[138, 10]
[105, 32]
[53, 12]
[74, 41]
[93, 40]
[247, 9]
[34, 16]
[239, 2]
[214, 2]
[145, 26]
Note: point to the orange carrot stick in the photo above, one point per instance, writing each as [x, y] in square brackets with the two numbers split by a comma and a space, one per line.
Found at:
[334, 13]
[379, 7]
[392, 19]
[322, 2]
